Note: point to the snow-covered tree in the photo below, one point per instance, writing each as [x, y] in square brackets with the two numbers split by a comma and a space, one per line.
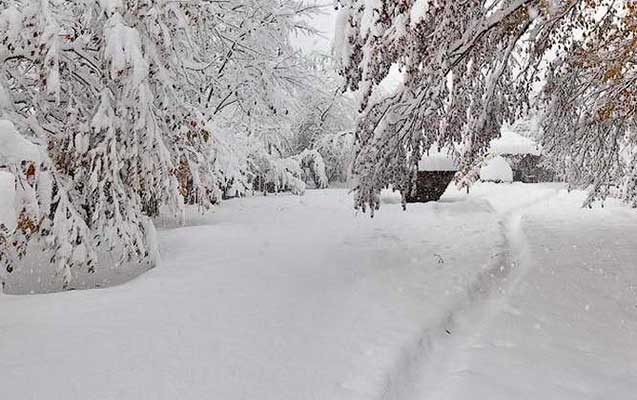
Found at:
[458, 65]
[251, 81]
[455, 61]
[29, 88]
[262, 96]
[337, 150]
[326, 119]
[101, 86]
[589, 101]
[466, 67]
[141, 104]
[324, 109]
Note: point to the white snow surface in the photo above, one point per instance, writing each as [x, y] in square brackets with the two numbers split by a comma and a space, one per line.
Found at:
[124, 47]
[513, 143]
[8, 216]
[497, 169]
[14, 148]
[509, 292]
[437, 161]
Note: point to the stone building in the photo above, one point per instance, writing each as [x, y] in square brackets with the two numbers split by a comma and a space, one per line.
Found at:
[435, 172]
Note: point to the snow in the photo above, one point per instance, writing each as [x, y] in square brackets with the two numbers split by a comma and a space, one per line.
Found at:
[370, 15]
[563, 323]
[341, 47]
[277, 297]
[10, 22]
[111, 6]
[124, 49]
[391, 84]
[512, 291]
[8, 216]
[497, 169]
[14, 148]
[325, 24]
[513, 143]
[437, 161]
[418, 11]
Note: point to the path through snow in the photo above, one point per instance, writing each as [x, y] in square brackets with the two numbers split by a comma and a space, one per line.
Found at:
[539, 336]
[300, 298]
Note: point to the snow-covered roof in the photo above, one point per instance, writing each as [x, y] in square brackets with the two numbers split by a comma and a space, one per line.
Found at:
[13, 147]
[514, 143]
[496, 169]
[7, 200]
[437, 161]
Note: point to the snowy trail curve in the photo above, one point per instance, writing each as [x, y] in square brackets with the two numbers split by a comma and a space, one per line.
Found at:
[486, 297]
[434, 357]
[510, 348]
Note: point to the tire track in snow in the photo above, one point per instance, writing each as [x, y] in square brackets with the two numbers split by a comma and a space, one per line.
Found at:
[424, 366]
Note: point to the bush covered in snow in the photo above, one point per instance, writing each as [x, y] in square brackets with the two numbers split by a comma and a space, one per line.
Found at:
[274, 174]
[496, 169]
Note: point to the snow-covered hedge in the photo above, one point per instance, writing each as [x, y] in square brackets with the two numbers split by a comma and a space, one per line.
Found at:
[496, 169]
[25, 193]
[274, 174]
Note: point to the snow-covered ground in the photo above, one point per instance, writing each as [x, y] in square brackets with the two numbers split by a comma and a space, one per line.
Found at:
[511, 292]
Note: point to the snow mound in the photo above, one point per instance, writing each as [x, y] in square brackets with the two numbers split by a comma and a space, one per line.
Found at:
[514, 143]
[7, 200]
[496, 170]
[13, 147]
[437, 161]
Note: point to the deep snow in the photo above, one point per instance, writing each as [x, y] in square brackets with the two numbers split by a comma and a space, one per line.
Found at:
[510, 292]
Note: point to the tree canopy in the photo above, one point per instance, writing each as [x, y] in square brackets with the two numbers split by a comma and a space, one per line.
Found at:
[467, 67]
